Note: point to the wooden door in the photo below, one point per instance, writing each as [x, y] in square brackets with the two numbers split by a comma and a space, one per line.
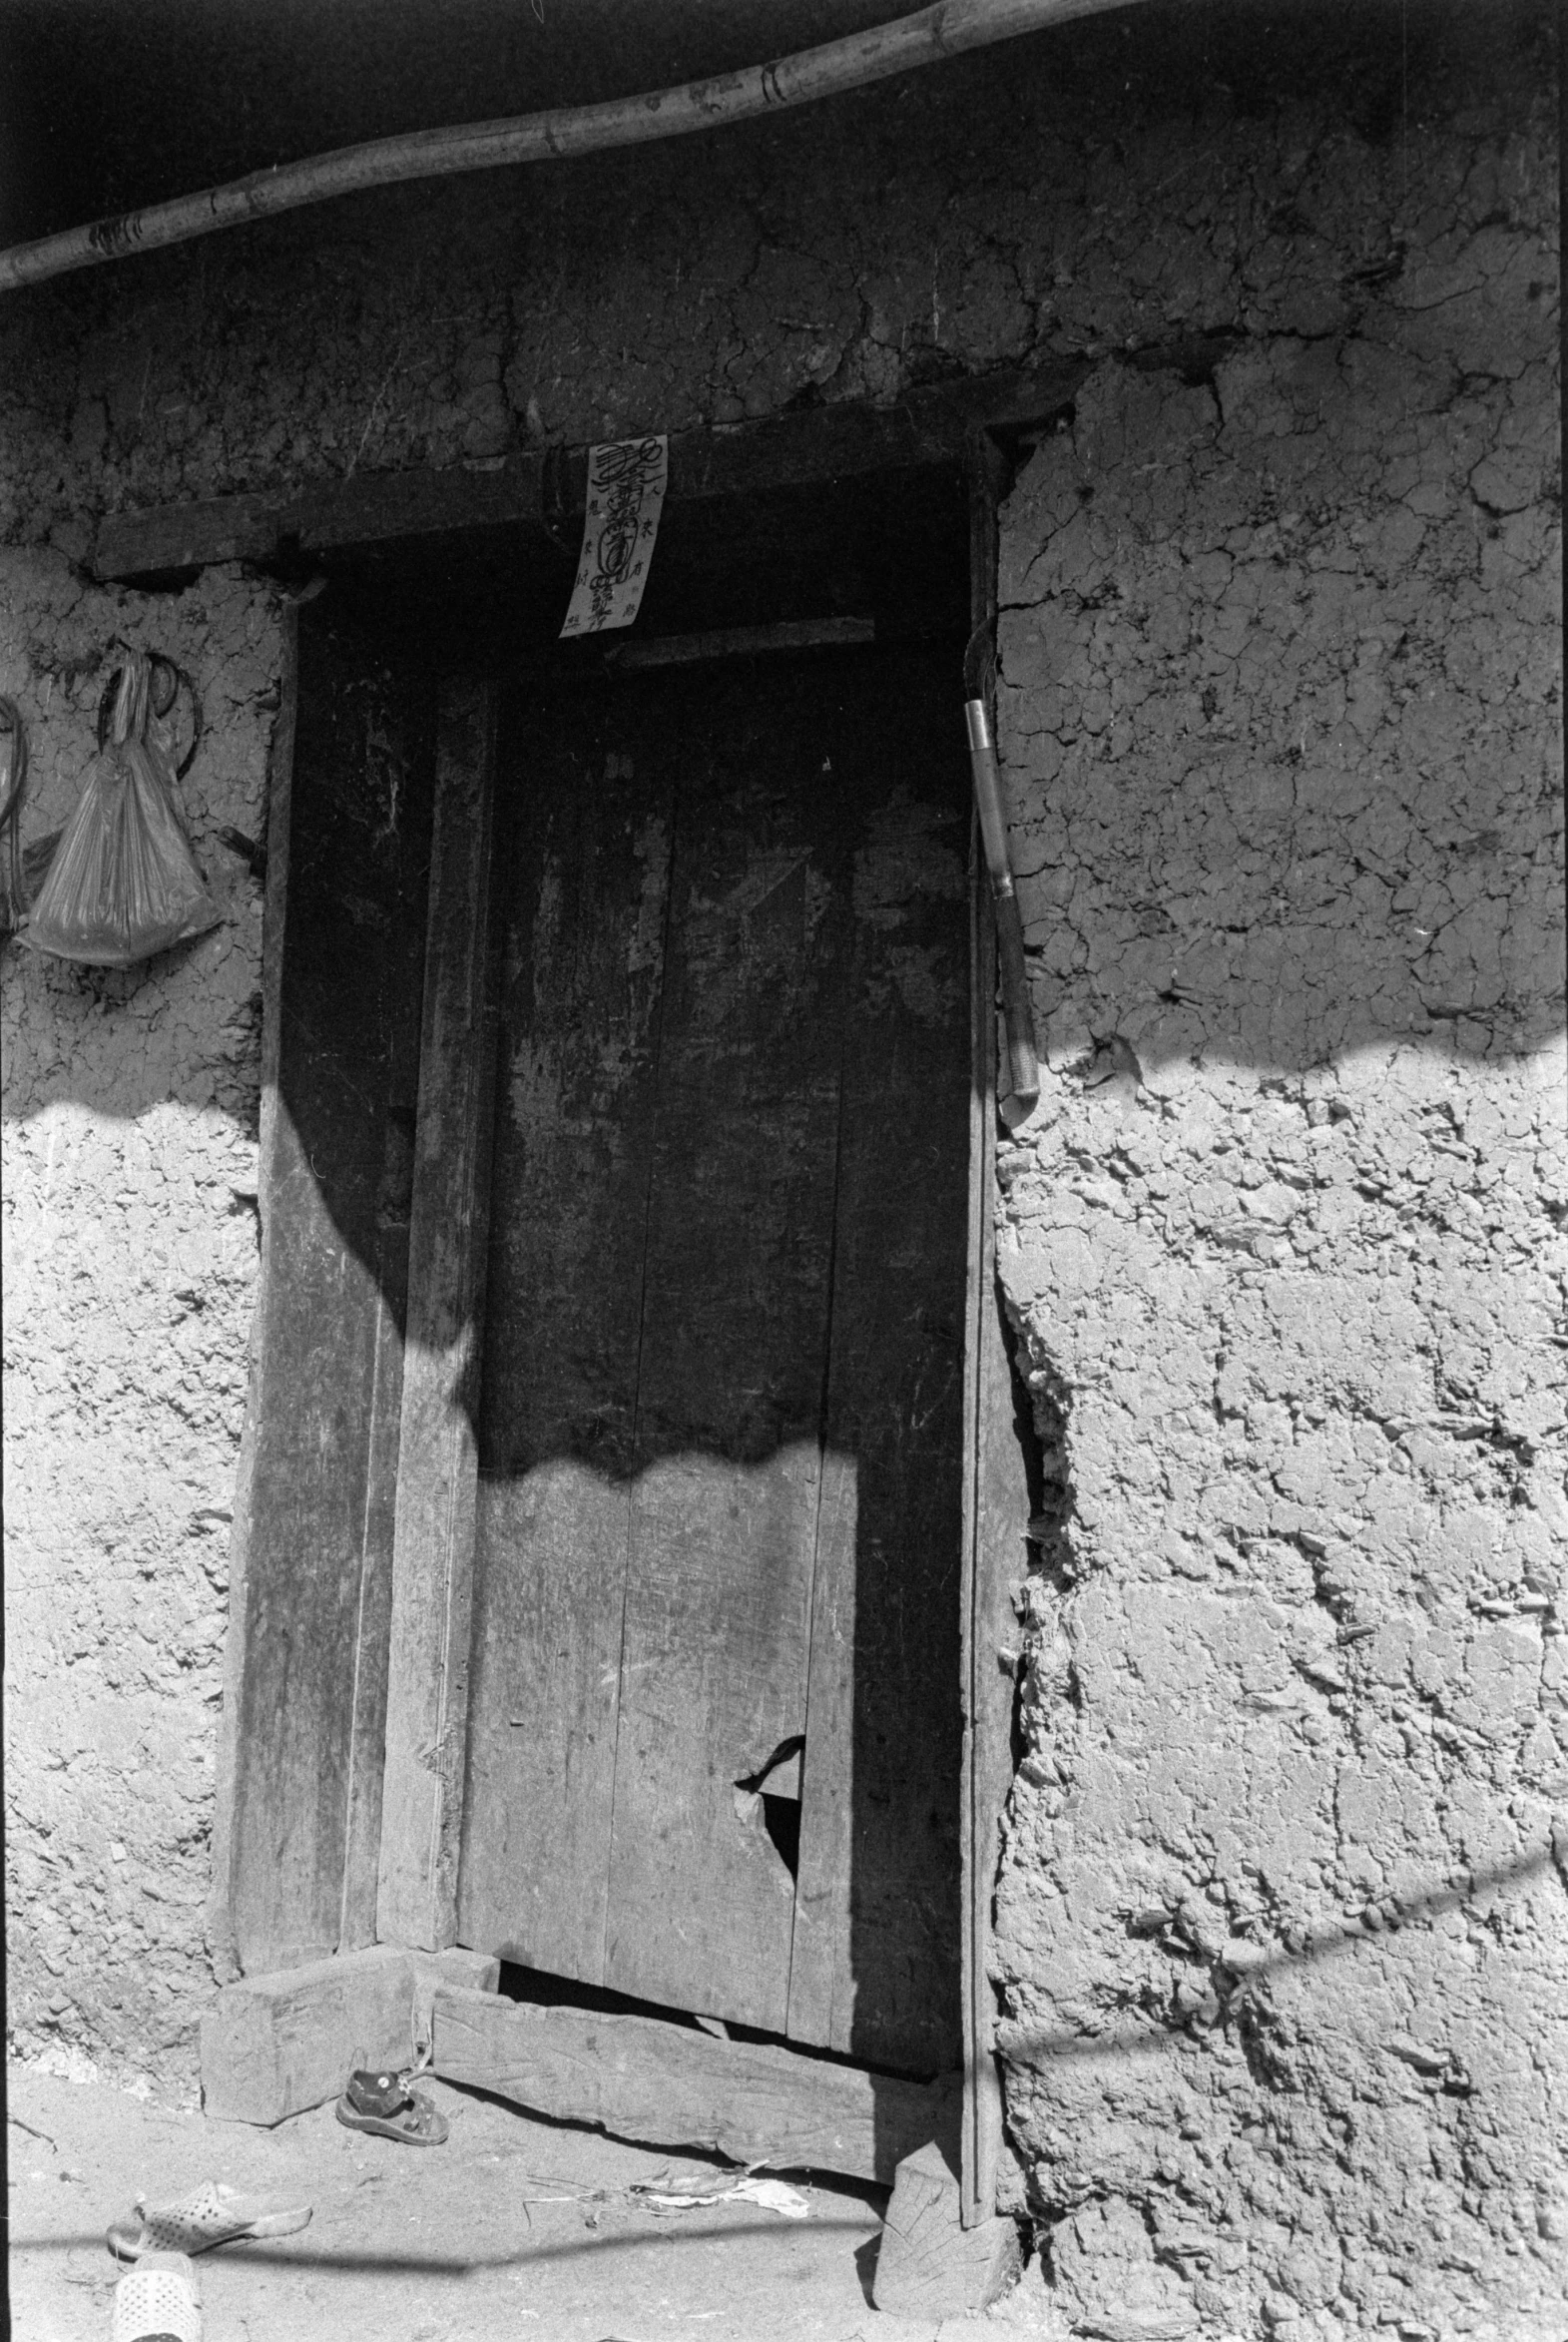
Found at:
[718, 1512]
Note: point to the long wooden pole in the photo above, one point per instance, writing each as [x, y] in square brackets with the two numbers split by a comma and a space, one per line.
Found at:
[924, 38]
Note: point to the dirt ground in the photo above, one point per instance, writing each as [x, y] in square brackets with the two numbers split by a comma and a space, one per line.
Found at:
[515, 2228]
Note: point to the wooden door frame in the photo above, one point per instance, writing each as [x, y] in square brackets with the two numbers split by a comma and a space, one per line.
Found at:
[427, 1675]
[432, 1571]
[995, 1485]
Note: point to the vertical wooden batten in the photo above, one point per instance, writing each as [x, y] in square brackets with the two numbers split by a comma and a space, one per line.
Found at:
[348, 851]
[367, 1686]
[995, 1486]
[981, 2094]
[280, 798]
[433, 1541]
[1001, 1513]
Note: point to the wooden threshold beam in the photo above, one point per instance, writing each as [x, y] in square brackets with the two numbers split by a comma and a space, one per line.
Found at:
[672, 2085]
[548, 489]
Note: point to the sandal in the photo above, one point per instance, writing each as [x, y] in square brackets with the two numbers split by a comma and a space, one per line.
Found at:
[383, 2105]
[211, 2215]
[158, 2303]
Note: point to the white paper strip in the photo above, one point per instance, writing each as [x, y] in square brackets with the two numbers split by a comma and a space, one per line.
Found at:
[625, 485]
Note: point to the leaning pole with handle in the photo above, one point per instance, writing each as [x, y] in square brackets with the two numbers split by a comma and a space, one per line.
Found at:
[1016, 1012]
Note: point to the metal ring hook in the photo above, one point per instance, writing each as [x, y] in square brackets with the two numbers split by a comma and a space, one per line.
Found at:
[164, 684]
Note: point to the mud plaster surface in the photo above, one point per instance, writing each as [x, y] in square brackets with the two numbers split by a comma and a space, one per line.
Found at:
[1279, 703]
[1280, 1930]
[130, 1251]
[1120, 184]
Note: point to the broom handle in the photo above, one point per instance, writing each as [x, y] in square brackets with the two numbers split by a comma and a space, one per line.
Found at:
[1016, 1011]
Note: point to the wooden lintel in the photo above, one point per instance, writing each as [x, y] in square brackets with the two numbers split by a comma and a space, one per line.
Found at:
[644, 2078]
[739, 642]
[380, 506]
[930, 426]
[190, 536]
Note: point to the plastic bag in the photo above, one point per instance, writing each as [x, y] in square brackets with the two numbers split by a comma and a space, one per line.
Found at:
[123, 883]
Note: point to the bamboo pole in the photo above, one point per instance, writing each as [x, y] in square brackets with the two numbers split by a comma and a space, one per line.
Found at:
[930, 34]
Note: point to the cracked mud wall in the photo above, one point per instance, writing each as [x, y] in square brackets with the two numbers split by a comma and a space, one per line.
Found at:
[130, 1253]
[1283, 1925]
[1122, 182]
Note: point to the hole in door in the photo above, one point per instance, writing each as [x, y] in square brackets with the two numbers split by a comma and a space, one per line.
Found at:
[782, 1821]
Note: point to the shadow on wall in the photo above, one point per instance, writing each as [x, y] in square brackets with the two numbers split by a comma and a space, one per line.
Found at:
[1347, 921]
[1235, 1991]
[123, 1047]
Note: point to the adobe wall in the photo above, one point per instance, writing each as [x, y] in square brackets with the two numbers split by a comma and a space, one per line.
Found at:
[1279, 1923]
[1121, 185]
[1281, 1926]
[130, 1247]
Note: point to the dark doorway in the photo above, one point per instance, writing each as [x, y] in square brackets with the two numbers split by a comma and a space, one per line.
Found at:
[715, 1729]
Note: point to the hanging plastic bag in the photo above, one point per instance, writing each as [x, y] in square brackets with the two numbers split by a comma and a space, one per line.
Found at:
[123, 883]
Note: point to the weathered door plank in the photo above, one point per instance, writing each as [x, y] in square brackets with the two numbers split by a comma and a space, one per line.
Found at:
[232, 1752]
[299, 1858]
[733, 1347]
[586, 841]
[875, 1965]
[432, 1554]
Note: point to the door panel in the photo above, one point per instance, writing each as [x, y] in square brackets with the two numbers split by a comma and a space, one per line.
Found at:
[336, 1175]
[585, 849]
[734, 1346]
[876, 1942]
[719, 1425]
